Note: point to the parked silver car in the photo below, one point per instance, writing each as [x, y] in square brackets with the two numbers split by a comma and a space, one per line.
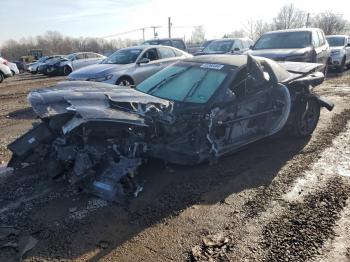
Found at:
[340, 51]
[130, 66]
[76, 61]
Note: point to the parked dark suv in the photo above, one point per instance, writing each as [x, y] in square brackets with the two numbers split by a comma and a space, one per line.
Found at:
[174, 42]
[298, 45]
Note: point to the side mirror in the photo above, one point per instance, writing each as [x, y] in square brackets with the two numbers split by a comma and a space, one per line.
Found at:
[348, 45]
[236, 49]
[144, 60]
[251, 47]
[255, 69]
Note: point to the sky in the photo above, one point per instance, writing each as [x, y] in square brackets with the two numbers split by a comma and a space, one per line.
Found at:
[100, 18]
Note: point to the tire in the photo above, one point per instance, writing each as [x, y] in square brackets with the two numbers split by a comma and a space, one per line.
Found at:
[124, 81]
[325, 70]
[67, 70]
[1, 77]
[306, 118]
[13, 73]
[340, 69]
[33, 72]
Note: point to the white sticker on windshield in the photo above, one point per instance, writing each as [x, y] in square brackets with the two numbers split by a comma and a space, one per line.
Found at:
[212, 66]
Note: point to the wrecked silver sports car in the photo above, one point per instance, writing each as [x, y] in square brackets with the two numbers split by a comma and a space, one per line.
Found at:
[199, 109]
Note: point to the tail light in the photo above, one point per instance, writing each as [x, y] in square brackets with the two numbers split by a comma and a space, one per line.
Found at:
[5, 62]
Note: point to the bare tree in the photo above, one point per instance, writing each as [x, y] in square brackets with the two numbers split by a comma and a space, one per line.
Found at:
[53, 42]
[330, 23]
[289, 17]
[256, 28]
[198, 35]
[236, 33]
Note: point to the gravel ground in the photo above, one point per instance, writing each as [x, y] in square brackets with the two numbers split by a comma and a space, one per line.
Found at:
[279, 200]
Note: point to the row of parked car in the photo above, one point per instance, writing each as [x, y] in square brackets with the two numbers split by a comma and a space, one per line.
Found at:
[130, 66]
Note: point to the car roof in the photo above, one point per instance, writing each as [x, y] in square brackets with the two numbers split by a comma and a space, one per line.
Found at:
[232, 60]
[145, 47]
[336, 36]
[83, 53]
[163, 39]
[294, 30]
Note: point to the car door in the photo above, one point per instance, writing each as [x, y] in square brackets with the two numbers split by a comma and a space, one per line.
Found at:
[145, 70]
[347, 46]
[320, 47]
[260, 107]
[79, 61]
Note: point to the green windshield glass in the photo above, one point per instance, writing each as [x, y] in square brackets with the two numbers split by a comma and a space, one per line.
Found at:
[184, 83]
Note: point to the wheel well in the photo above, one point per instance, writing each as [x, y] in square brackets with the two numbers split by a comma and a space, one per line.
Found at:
[127, 77]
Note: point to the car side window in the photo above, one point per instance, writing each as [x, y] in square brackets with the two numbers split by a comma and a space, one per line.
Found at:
[166, 42]
[321, 38]
[79, 56]
[166, 52]
[178, 44]
[178, 53]
[315, 39]
[90, 55]
[237, 44]
[151, 54]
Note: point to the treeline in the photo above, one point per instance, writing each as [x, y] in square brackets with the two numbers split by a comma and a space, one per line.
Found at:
[290, 17]
[53, 42]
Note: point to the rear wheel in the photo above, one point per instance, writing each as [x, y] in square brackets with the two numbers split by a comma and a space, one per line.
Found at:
[325, 70]
[1, 77]
[124, 81]
[340, 69]
[306, 118]
[67, 70]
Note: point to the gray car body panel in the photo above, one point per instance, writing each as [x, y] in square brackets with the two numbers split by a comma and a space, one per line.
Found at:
[99, 134]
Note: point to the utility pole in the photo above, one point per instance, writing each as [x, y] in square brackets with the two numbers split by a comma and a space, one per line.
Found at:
[143, 34]
[307, 20]
[154, 31]
[169, 26]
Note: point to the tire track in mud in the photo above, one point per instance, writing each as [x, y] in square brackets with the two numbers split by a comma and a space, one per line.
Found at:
[300, 163]
[299, 234]
[271, 224]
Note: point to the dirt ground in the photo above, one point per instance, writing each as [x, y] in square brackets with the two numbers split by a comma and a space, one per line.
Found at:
[281, 199]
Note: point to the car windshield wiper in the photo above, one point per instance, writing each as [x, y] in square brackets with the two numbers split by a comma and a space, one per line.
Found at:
[166, 80]
[195, 86]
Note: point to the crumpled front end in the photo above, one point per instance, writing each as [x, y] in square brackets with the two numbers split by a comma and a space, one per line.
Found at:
[94, 134]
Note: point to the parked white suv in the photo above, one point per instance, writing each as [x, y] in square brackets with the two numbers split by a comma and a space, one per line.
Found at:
[340, 51]
[5, 70]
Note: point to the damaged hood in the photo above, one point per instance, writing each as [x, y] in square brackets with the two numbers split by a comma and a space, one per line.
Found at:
[93, 101]
[279, 54]
[300, 67]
